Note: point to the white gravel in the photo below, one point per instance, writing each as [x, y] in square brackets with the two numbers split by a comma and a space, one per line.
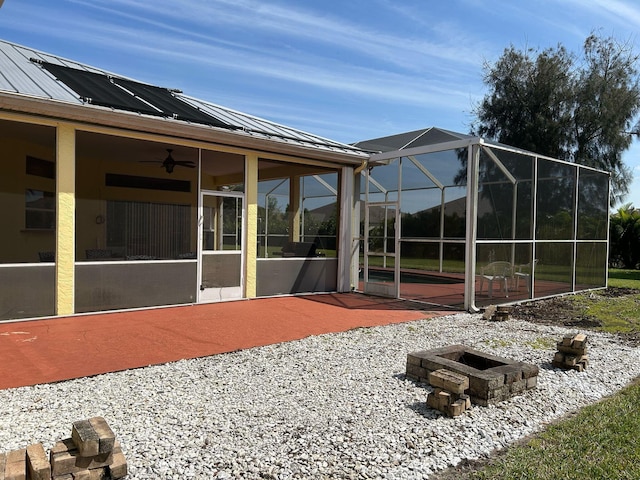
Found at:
[332, 406]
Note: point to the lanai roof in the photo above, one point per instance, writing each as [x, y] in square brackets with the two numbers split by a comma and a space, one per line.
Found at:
[426, 139]
[407, 140]
[32, 74]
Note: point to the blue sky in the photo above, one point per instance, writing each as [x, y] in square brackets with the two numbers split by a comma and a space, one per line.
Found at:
[348, 70]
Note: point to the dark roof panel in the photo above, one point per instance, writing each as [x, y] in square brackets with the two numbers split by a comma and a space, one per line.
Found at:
[434, 136]
[120, 93]
[416, 138]
[390, 143]
[170, 105]
[98, 89]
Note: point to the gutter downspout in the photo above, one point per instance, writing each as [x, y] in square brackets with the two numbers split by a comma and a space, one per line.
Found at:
[363, 165]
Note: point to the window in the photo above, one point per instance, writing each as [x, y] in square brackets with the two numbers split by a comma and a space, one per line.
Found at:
[40, 210]
[40, 168]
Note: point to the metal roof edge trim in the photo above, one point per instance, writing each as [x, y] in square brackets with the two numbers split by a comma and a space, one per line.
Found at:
[438, 147]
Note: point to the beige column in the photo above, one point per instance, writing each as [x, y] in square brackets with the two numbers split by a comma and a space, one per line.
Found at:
[65, 218]
[251, 224]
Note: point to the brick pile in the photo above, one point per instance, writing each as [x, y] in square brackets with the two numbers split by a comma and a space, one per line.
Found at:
[92, 453]
[499, 313]
[448, 392]
[572, 353]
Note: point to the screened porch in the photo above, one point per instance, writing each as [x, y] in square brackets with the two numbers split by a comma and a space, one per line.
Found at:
[455, 220]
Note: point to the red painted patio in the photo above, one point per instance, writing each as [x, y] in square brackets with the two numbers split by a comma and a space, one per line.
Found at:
[51, 350]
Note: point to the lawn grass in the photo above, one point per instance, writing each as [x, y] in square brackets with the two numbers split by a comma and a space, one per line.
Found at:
[616, 314]
[620, 278]
[619, 314]
[600, 442]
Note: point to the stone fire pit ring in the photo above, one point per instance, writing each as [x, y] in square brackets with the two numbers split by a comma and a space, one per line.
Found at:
[492, 379]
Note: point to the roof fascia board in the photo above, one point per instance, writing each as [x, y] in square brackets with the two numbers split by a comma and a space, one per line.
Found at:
[439, 147]
[136, 135]
[27, 118]
[238, 141]
[30, 119]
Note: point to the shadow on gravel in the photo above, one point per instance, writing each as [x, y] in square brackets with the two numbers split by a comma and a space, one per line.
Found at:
[421, 409]
[546, 366]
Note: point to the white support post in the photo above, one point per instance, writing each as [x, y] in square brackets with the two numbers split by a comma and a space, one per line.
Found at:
[345, 233]
[473, 158]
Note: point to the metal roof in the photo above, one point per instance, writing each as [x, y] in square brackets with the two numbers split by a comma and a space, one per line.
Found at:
[37, 74]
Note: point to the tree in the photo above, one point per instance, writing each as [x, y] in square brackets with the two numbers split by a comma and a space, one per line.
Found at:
[624, 235]
[550, 103]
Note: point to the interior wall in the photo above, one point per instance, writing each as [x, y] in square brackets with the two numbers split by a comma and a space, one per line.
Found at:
[133, 158]
[17, 244]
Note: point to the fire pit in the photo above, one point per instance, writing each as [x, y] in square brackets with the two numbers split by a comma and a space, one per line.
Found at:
[491, 378]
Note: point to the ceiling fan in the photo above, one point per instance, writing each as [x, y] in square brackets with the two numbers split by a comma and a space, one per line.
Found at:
[169, 163]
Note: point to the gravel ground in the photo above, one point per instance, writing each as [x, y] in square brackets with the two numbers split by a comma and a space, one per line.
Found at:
[332, 406]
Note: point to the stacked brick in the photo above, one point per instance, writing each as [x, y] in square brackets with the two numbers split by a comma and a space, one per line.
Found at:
[572, 353]
[448, 392]
[498, 313]
[501, 314]
[92, 453]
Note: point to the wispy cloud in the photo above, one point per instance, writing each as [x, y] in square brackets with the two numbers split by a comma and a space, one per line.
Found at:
[292, 23]
[159, 31]
[624, 13]
[391, 62]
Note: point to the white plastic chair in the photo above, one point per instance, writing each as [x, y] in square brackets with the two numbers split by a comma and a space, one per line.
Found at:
[524, 272]
[501, 272]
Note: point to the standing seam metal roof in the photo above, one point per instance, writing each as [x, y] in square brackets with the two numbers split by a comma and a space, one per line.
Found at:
[21, 72]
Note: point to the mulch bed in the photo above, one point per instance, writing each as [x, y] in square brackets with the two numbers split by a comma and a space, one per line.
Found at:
[562, 311]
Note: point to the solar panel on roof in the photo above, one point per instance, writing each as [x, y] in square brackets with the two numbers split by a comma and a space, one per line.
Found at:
[106, 91]
[165, 101]
[98, 89]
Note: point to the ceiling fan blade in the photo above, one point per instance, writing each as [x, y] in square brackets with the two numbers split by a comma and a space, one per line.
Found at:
[186, 163]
